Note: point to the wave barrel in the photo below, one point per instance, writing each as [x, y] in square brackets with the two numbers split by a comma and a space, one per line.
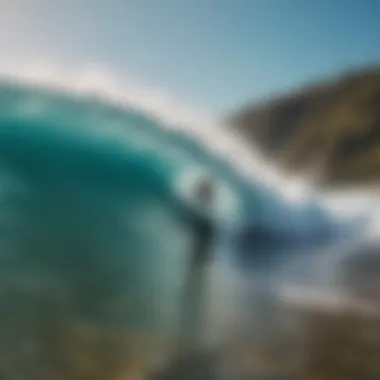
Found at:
[94, 245]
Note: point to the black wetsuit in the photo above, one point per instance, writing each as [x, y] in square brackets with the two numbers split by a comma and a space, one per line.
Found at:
[191, 361]
[199, 256]
[204, 231]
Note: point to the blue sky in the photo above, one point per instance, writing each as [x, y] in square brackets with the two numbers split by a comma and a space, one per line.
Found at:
[212, 54]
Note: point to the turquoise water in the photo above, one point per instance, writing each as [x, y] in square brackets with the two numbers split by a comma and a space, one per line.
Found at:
[93, 211]
[94, 226]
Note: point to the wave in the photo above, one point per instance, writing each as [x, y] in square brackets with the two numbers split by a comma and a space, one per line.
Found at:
[95, 178]
[93, 202]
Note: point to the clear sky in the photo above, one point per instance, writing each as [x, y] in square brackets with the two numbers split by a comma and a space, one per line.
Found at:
[212, 54]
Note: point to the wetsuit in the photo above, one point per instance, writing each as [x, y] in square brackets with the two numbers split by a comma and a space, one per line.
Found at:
[199, 256]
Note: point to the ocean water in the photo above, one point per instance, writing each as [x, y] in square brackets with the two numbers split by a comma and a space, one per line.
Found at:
[94, 233]
[95, 238]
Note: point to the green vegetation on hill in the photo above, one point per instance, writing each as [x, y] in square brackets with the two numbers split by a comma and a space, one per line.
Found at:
[330, 130]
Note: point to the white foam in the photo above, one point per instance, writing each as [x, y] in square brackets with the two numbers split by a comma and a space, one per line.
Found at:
[201, 125]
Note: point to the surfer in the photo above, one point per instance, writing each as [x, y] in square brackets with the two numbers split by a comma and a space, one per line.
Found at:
[192, 361]
[200, 255]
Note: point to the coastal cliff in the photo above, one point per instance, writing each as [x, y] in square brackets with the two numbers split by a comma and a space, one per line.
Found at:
[329, 130]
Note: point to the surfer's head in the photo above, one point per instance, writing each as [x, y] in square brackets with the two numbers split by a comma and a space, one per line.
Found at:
[204, 190]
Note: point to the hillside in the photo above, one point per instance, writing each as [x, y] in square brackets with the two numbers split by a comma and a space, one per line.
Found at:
[329, 129]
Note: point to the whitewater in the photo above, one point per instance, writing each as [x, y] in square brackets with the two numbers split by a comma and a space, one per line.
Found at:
[95, 184]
